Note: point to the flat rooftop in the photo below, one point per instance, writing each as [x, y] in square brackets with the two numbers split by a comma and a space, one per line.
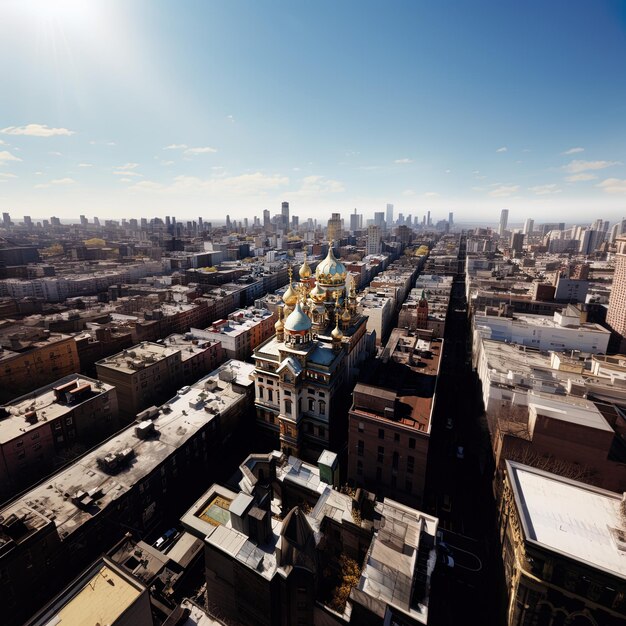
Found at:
[46, 404]
[572, 410]
[177, 421]
[570, 518]
[100, 596]
[142, 355]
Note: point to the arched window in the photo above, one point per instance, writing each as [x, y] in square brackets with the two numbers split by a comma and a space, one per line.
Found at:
[261, 392]
[288, 407]
[311, 404]
[270, 395]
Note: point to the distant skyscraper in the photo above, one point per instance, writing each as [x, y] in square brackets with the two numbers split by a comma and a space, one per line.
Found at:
[28, 222]
[529, 224]
[379, 220]
[356, 221]
[266, 218]
[428, 222]
[228, 226]
[295, 222]
[284, 210]
[6, 220]
[373, 239]
[333, 233]
[504, 219]
[616, 314]
[450, 219]
[389, 215]
[83, 220]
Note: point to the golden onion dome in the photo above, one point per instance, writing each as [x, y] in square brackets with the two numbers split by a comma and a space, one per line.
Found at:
[290, 297]
[336, 333]
[305, 270]
[279, 325]
[345, 316]
[330, 270]
[298, 320]
[317, 295]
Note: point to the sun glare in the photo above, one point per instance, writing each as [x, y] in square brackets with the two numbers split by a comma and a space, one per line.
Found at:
[63, 12]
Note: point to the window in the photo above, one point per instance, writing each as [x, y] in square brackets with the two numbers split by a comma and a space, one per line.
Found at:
[270, 395]
[394, 462]
[322, 407]
[322, 431]
[381, 433]
[361, 427]
[412, 443]
[410, 464]
[35, 436]
[309, 428]
[381, 454]
[396, 437]
[287, 393]
[288, 407]
[261, 393]
[311, 404]
[359, 447]
[379, 473]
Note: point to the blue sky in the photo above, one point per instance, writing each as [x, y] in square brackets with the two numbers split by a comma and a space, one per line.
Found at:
[147, 107]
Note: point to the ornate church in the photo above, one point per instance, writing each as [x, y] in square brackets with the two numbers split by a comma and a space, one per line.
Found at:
[305, 372]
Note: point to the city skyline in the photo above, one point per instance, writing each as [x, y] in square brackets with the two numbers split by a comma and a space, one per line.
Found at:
[215, 107]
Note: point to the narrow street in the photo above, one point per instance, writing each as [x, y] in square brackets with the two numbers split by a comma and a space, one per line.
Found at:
[459, 484]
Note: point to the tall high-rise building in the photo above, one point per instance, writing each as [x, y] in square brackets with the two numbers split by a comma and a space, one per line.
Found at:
[504, 218]
[373, 239]
[83, 220]
[529, 224]
[6, 220]
[379, 219]
[450, 219]
[356, 221]
[28, 222]
[389, 215]
[616, 314]
[428, 220]
[333, 233]
[266, 218]
[517, 242]
[284, 210]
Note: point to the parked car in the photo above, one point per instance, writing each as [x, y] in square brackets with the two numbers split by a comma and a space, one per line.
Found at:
[446, 559]
[460, 453]
[165, 539]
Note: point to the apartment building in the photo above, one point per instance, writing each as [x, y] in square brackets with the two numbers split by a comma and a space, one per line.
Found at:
[38, 429]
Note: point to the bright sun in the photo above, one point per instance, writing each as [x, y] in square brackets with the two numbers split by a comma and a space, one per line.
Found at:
[64, 12]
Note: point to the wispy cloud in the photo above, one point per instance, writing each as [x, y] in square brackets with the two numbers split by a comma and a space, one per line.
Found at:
[85, 165]
[55, 154]
[431, 194]
[319, 185]
[502, 149]
[504, 191]
[127, 170]
[573, 151]
[402, 161]
[200, 150]
[6, 156]
[230, 118]
[242, 185]
[576, 178]
[7, 175]
[176, 146]
[544, 190]
[573, 167]
[36, 130]
[59, 182]
[613, 185]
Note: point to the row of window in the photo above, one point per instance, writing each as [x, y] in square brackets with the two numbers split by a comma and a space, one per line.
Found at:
[408, 483]
[382, 435]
